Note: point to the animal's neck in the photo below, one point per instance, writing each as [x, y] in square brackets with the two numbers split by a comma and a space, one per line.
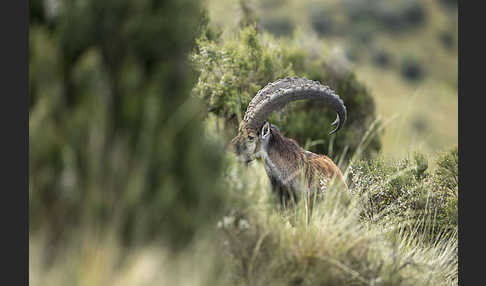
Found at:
[281, 147]
[281, 156]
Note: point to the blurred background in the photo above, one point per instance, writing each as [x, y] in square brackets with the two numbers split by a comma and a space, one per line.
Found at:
[133, 102]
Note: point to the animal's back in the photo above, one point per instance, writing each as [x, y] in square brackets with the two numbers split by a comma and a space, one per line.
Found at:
[324, 168]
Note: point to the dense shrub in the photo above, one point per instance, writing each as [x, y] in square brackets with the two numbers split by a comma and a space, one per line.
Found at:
[447, 175]
[406, 191]
[116, 139]
[232, 71]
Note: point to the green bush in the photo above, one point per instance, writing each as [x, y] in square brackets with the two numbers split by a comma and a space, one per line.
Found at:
[116, 139]
[447, 175]
[232, 71]
[406, 192]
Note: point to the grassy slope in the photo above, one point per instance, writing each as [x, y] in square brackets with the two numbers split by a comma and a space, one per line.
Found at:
[266, 247]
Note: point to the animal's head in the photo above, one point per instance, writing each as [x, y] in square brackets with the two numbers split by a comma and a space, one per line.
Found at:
[254, 129]
[246, 144]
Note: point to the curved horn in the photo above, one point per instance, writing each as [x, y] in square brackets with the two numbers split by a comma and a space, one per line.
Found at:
[277, 94]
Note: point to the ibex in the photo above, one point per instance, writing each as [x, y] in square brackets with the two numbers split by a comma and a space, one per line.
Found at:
[289, 167]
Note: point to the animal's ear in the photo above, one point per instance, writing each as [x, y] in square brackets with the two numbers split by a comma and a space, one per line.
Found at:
[265, 130]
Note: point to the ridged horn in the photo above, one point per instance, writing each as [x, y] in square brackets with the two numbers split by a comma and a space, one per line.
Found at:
[277, 94]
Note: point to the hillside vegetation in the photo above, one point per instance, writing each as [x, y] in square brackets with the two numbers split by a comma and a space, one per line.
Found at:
[132, 107]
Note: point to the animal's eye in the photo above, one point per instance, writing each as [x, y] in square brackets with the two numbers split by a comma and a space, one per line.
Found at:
[251, 138]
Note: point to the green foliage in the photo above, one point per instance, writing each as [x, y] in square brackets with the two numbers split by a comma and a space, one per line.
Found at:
[257, 243]
[121, 163]
[333, 245]
[116, 139]
[446, 180]
[447, 174]
[232, 71]
[405, 191]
